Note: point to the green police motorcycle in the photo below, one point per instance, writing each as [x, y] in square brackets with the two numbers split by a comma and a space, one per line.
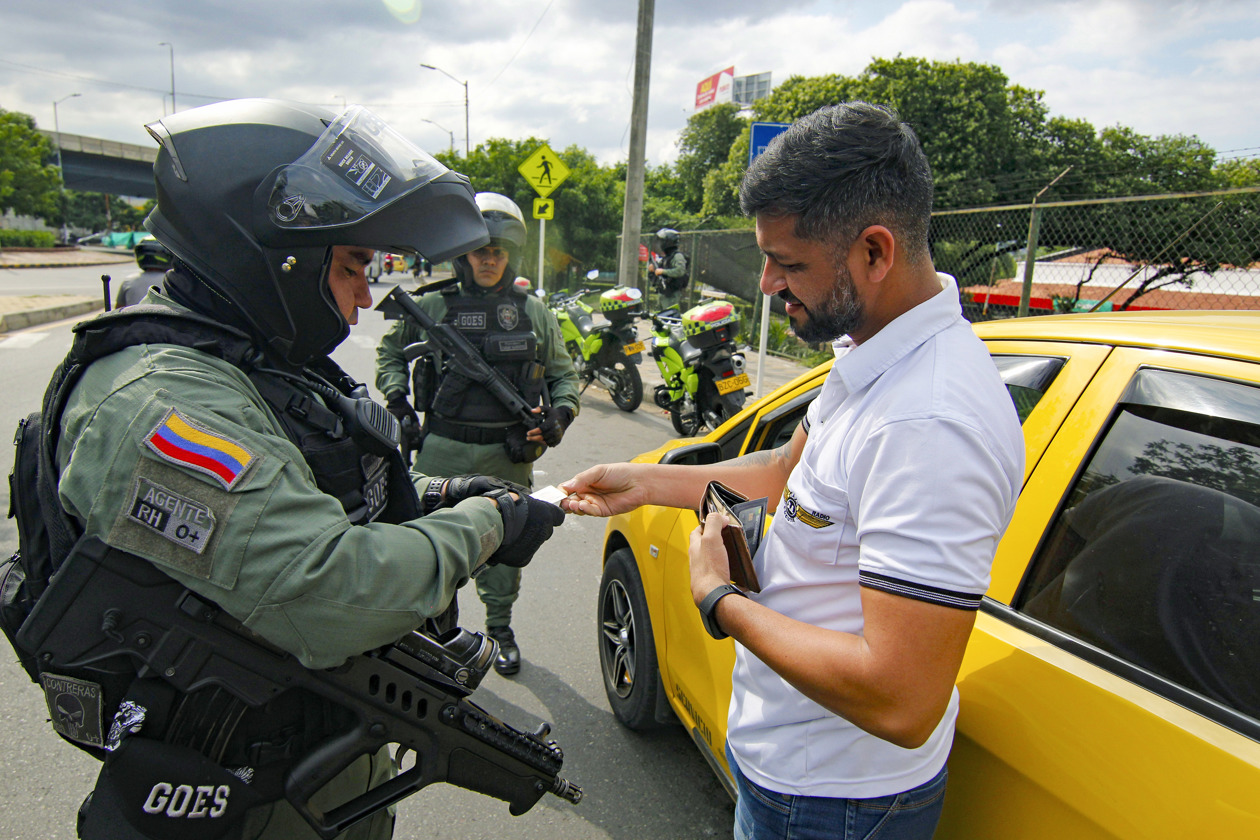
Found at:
[701, 365]
[608, 353]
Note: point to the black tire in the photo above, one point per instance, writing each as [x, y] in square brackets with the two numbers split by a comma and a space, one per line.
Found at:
[628, 393]
[715, 408]
[627, 648]
[685, 419]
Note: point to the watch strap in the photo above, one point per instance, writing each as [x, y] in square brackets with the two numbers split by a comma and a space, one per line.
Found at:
[431, 499]
[708, 608]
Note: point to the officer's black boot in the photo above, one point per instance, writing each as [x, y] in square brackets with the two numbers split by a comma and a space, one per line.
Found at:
[509, 658]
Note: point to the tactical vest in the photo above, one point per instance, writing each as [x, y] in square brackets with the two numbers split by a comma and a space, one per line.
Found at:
[499, 328]
[369, 487]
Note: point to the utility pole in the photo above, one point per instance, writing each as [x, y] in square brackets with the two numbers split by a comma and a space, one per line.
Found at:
[1034, 229]
[632, 214]
[65, 228]
[171, 47]
[467, 136]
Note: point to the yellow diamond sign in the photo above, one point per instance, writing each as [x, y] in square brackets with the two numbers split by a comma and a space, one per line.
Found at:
[544, 170]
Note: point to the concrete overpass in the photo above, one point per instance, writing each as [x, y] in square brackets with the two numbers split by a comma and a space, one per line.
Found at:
[91, 164]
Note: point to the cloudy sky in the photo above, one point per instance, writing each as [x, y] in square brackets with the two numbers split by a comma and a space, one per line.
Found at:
[562, 70]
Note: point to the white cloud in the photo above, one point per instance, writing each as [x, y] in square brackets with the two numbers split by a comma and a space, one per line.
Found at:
[563, 69]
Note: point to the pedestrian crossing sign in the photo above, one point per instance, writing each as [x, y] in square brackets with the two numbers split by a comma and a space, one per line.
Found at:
[544, 170]
[544, 208]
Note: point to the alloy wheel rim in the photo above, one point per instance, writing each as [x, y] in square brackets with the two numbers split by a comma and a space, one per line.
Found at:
[617, 640]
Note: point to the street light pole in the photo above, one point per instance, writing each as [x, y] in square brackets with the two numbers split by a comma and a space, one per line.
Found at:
[65, 229]
[447, 130]
[467, 142]
[171, 47]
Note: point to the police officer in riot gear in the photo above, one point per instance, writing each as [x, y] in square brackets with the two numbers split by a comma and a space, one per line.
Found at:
[669, 270]
[210, 435]
[465, 429]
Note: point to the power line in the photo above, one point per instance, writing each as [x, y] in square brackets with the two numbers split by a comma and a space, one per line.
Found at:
[522, 46]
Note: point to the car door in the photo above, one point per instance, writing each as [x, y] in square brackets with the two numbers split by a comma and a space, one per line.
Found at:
[1109, 688]
[696, 668]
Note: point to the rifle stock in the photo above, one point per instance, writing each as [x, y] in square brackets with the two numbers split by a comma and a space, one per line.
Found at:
[412, 693]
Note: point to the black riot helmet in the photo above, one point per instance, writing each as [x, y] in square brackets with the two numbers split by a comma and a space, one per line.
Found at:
[668, 239]
[252, 195]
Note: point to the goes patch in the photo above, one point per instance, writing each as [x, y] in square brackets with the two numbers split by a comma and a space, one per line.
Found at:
[183, 521]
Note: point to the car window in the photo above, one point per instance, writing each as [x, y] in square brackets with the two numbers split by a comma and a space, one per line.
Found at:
[1154, 555]
[776, 427]
[1027, 378]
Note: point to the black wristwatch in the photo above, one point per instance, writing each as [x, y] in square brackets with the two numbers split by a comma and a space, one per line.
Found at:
[708, 608]
[431, 498]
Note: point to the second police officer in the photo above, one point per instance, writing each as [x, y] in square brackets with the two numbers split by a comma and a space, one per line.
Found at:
[669, 270]
[466, 429]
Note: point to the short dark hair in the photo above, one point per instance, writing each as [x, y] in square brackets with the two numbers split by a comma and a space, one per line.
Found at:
[841, 169]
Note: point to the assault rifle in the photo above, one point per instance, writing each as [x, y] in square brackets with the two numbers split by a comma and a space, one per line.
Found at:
[105, 605]
[455, 351]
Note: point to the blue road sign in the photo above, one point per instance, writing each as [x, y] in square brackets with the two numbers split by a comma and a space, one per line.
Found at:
[762, 134]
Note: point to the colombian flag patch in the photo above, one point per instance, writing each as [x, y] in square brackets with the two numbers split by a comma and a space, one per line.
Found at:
[184, 443]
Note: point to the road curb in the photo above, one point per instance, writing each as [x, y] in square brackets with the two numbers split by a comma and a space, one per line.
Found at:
[63, 265]
[34, 317]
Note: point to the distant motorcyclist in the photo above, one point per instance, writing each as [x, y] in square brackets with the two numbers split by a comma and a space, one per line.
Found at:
[669, 270]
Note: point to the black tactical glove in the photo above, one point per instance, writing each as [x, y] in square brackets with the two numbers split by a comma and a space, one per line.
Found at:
[527, 524]
[447, 492]
[408, 420]
[519, 450]
[555, 420]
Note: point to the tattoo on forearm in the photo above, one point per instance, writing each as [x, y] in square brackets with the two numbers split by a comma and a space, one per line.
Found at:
[780, 457]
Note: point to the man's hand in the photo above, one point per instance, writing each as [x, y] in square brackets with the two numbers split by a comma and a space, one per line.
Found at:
[710, 567]
[555, 419]
[603, 490]
[527, 524]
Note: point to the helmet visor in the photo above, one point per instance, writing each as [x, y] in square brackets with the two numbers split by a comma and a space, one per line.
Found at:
[356, 167]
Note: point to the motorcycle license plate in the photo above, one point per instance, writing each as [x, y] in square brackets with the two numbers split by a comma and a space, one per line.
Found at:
[734, 383]
[631, 349]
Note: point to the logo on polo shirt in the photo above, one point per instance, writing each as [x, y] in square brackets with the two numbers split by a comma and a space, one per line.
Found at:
[795, 512]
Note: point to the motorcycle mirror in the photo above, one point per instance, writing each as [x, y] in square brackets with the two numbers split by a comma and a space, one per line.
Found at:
[592, 274]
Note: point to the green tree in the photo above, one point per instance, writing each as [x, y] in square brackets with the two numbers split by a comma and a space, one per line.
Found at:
[28, 183]
[587, 205]
[705, 144]
[98, 211]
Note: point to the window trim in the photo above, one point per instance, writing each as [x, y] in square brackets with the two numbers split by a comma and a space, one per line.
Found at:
[1169, 690]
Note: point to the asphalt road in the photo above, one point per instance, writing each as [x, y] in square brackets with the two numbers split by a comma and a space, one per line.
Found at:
[637, 786]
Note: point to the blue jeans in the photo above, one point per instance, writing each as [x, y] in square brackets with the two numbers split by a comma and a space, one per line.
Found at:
[762, 814]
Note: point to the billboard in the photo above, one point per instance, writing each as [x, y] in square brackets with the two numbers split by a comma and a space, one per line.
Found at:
[715, 89]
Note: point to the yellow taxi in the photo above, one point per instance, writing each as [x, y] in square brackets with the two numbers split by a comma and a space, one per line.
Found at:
[1111, 687]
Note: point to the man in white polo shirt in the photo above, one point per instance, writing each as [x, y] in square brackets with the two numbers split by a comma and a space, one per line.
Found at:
[893, 494]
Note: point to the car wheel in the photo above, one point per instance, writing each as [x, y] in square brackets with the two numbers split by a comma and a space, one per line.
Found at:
[627, 650]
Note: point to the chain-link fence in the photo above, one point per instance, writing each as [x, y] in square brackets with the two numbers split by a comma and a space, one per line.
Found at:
[1182, 251]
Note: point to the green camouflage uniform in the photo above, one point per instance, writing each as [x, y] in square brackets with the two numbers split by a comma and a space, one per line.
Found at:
[266, 545]
[498, 586]
[674, 278]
